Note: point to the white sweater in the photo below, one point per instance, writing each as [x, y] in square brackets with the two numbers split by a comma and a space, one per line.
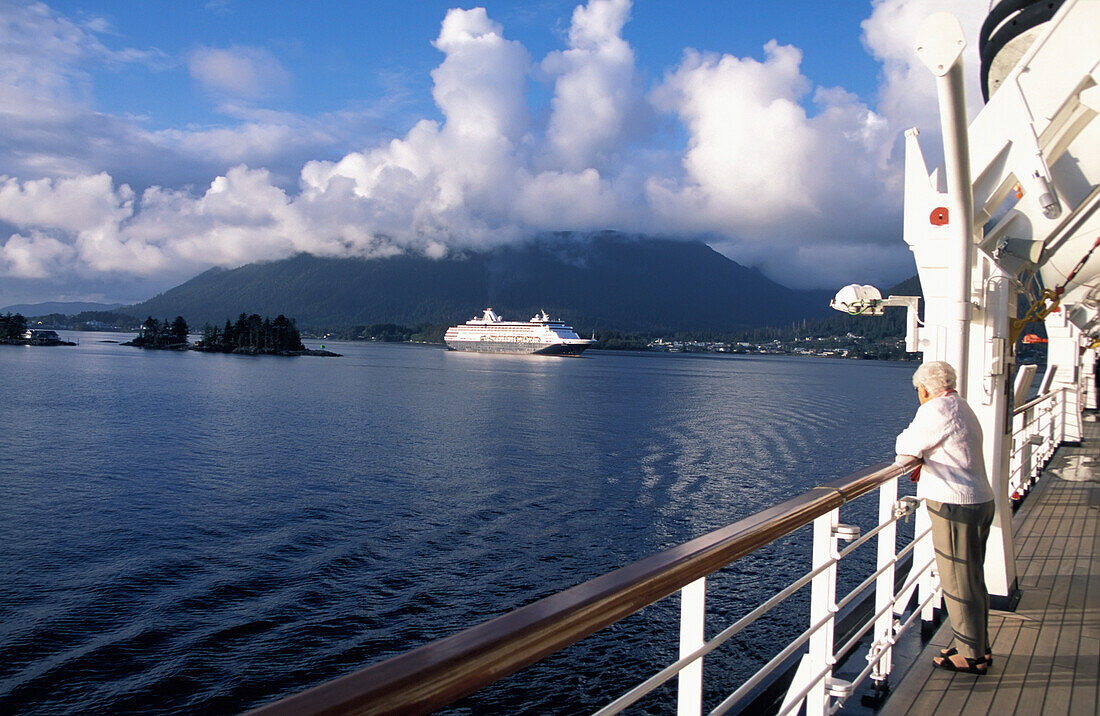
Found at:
[946, 434]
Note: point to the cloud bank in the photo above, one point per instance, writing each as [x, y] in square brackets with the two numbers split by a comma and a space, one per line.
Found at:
[774, 170]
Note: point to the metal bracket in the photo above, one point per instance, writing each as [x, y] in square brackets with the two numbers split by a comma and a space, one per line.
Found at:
[905, 507]
[839, 687]
[876, 650]
[847, 533]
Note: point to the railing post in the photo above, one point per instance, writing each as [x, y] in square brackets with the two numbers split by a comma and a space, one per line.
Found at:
[884, 585]
[822, 605]
[1060, 433]
[689, 695]
[1021, 453]
[924, 552]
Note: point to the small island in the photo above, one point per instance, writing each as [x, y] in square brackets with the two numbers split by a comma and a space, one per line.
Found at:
[250, 335]
[14, 332]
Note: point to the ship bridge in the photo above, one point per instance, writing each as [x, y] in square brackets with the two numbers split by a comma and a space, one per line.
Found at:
[1005, 237]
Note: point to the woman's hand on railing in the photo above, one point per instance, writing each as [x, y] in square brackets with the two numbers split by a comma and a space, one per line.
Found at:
[909, 462]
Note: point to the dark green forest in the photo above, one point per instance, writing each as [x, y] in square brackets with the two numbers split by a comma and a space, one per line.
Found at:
[605, 281]
[252, 334]
[162, 334]
[89, 321]
[392, 333]
[12, 326]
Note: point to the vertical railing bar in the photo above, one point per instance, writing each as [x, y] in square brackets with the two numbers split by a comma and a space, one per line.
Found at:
[822, 606]
[885, 596]
[924, 550]
[689, 692]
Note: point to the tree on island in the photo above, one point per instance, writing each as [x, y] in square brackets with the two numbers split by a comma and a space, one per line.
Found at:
[253, 334]
[12, 327]
[158, 334]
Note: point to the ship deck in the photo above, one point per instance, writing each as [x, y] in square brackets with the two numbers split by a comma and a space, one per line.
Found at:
[1046, 653]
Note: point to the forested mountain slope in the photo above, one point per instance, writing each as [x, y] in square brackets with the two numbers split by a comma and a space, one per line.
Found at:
[603, 281]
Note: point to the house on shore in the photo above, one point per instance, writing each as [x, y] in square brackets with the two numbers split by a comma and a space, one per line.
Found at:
[42, 337]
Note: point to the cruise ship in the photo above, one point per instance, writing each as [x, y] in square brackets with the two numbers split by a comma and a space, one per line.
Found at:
[493, 334]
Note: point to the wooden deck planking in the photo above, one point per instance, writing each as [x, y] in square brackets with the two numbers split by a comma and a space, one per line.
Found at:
[1047, 652]
[1086, 684]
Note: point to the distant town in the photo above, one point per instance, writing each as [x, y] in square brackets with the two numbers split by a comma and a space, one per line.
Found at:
[847, 346]
[827, 338]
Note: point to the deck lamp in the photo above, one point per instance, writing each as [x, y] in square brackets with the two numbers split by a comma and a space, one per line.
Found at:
[866, 300]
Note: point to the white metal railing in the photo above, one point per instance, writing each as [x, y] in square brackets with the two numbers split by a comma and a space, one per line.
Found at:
[436, 674]
[1038, 427]
[814, 683]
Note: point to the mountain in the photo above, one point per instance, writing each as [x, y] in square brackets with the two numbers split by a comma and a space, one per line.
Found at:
[66, 308]
[605, 281]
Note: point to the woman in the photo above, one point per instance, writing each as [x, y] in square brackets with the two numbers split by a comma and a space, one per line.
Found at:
[946, 435]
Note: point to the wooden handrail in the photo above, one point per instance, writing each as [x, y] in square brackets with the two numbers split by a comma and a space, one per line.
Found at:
[436, 674]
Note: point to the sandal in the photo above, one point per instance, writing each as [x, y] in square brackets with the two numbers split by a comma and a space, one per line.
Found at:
[948, 653]
[971, 667]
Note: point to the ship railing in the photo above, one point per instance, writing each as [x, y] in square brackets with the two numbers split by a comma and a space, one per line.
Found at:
[439, 673]
[1038, 427]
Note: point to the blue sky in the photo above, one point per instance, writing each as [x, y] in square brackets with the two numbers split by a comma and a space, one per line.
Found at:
[143, 142]
[355, 53]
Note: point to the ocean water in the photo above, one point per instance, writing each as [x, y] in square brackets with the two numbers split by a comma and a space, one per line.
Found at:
[185, 533]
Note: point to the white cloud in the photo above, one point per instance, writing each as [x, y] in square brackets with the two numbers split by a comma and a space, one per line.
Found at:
[569, 201]
[251, 72]
[596, 94]
[907, 94]
[762, 172]
[452, 180]
[34, 256]
[780, 173]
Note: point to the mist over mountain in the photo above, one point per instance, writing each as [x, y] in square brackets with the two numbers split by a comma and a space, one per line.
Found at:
[603, 281]
[66, 308]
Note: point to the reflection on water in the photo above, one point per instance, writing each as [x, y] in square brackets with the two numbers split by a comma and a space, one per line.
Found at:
[186, 532]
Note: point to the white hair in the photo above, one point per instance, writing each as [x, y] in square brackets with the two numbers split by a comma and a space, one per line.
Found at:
[936, 377]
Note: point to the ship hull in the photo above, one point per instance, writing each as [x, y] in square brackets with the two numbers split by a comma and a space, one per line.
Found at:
[545, 349]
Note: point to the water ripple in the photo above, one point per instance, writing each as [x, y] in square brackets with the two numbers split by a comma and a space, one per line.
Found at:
[204, 534]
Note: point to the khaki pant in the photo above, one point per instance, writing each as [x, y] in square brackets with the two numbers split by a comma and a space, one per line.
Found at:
[959, 534]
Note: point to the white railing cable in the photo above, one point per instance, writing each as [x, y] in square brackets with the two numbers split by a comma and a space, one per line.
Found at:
[873, 658]
[722, 637]
[867, 582]
[1035, 436]
[796, 702]
[865, 628]
[776, 660]
[644, 688]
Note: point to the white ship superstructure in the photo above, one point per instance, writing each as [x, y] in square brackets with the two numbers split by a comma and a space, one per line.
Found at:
[492, 334]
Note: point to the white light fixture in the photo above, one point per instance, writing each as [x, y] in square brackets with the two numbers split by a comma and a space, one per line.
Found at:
[866, 300]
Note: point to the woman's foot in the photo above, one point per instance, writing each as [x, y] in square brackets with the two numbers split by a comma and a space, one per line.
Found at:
[959, 663]
[952, 651]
